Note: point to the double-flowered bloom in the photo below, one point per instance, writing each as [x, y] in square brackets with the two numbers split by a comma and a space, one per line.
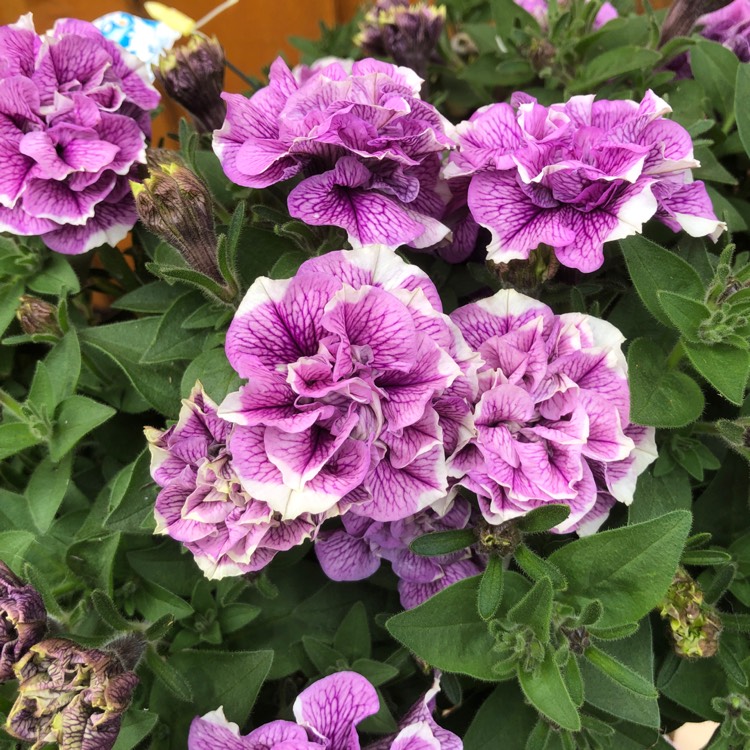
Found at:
[367, 147]
[358, 389]
[202, 503]
[729, 26]
[74, 118]
[577, 175]
[326, 716]
[552, 419]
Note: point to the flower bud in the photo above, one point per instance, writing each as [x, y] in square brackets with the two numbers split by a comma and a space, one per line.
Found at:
[69, 695]
[175, 204]
[23, 620]
[695, 626]
[407, 33]
[683, 15]
[37, 316]
[193, 75]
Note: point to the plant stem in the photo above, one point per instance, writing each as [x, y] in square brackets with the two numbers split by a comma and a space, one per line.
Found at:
[676, 355]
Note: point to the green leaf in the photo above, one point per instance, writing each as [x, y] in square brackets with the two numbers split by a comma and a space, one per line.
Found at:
[230, 679]
[155, 602]
[13, 546]
[323, 656]
[108, 613]
[660, 397]
[655, 496]
[504, 714]
[442, 542]
[571, 673]
[169, 676]
[55, 278]
[725, 367]
[506, 13]
[547, 692]
[14, 437]
[124, 344]
[490, 592]
[376, 672]
[64, 366]
[9, 302]
[686, 314]
[172, 342]
[731, 664]
[706, 557]
[652, 268]
[613, 63]
[636, 653]
[46, 490]
[447, 632]
[621, 674]
[93, 561]
[628, 569]
[543, 518]
[288, 264]
[352, 638]
[535, 610]
[133, 497]
[715, 68]
[233, 617]
[136, 726]
[156, 297]
[537, 567]
[741, 111]
[213, 370]
[76, 416]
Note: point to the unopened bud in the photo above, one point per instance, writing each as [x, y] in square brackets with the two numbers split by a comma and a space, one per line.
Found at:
[23, 620]
[408, 33]
[502, 540]
[695, 626]
[69, 695]
[37, 316]
[193, 75]
[175, 204]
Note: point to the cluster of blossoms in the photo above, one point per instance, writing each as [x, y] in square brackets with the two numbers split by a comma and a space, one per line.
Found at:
[326, 717]
[67, 695]
[577, 175]
[74, 118]
[540, 10]
[368, 149]
[363, 400]
[552, 418]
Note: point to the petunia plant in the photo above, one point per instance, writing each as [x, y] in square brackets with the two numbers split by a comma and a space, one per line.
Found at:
[398, 402]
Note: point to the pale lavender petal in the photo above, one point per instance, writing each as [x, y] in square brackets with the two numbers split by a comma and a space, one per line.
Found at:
[344, 557]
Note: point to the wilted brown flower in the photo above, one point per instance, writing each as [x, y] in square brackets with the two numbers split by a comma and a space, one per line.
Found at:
[69, 695]
[23, 620]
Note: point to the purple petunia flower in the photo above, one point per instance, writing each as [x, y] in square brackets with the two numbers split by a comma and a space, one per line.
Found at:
[729, 26]
[577, 175]
[368, 149]
[358, 388]
[202, 503]
[354, 552]
[326, 715]
[552, 417]
[74, 118]
[539, 9]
